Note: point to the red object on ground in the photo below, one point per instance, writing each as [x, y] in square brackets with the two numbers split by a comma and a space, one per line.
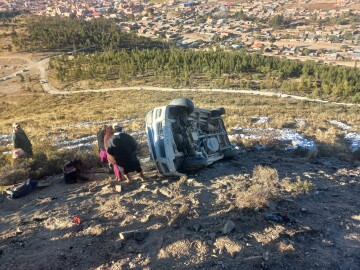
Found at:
[76, 220]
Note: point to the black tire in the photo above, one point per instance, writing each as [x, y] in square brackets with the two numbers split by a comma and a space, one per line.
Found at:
[217, 112]
[193, 163]
[229, 154]
[184, 102]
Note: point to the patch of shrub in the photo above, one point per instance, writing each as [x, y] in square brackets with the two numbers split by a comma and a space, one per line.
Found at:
[44, 164]
[14, 173]
[298, 186]
[265, 185]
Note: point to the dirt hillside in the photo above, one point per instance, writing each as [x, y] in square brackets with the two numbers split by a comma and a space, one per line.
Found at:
[232, 215]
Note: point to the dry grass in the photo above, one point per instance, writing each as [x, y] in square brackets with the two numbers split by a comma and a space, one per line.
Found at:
[225, 244]
[286, 247]
[51, 111]
[46, 161]
[184, 248]
[297, 187]
[265, 185]
[12, 174]
[49, 114]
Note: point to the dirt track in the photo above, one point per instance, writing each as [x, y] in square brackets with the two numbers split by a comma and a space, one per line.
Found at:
[42, 65]
[52, 90]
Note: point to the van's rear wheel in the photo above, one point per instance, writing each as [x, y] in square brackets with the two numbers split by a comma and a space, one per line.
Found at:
[185, 103]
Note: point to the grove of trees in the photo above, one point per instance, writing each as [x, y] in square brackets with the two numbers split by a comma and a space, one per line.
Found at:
[177, 67]
[7, 16]
[128, 57]
[57, 33]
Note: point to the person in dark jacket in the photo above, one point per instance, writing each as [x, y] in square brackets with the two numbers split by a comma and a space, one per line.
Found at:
[123, 147]
[20, 140]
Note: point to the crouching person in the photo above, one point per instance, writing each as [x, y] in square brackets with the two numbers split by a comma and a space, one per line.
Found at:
[73, 172]
[123, 147]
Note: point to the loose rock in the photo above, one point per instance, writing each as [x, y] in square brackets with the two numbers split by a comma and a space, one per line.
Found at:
[229, 226]
[136, 235]
[118, 188]
[166, 192]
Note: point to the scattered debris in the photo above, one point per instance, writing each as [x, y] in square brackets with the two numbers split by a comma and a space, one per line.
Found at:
[135, 235]
[118, 188]
[76, 220]
[18, 231]
[194, 225]
[276, 217]
[23, 189]
[266, 256]
[229, 226]
[106, 187]
[47, 198]
[4, 139]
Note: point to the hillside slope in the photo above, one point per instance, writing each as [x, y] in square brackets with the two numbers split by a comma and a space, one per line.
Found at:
[181, 223]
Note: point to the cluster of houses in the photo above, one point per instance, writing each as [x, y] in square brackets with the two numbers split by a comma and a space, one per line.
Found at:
[224, 24]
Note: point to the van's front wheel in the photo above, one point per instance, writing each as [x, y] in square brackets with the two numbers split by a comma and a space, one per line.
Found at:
[193, 163]
[229, 154]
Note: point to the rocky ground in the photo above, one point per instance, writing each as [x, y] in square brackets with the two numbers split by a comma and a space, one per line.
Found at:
[264, 210]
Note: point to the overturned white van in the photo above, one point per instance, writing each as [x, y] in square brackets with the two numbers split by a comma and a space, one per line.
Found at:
[184, 138]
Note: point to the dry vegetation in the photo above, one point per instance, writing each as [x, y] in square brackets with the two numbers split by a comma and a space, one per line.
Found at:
[50, 111]
[52, 114]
